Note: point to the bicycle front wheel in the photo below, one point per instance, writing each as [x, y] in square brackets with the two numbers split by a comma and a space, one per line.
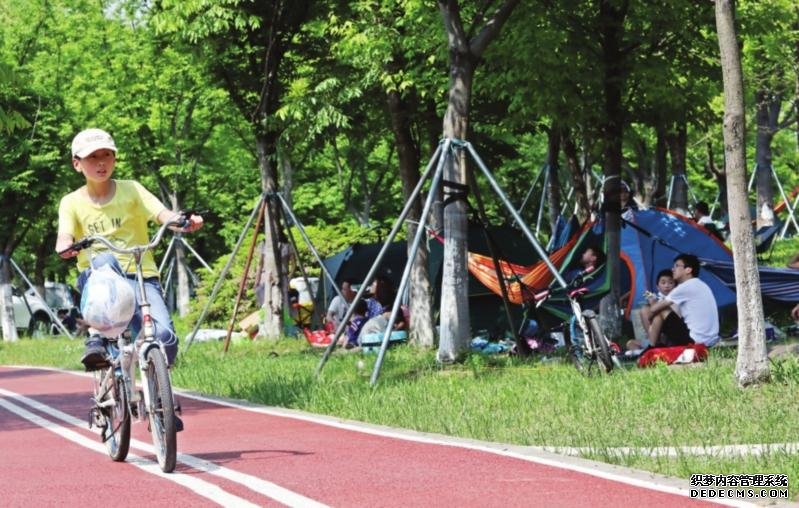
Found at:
[161, 411]
[599, 344]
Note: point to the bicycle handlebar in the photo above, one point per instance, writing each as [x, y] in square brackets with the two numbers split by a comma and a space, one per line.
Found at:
[86, 242]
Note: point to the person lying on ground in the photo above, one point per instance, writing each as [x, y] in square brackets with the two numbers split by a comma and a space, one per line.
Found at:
[688, 314]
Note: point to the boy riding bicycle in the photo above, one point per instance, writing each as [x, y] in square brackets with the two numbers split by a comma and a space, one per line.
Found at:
[119, 210]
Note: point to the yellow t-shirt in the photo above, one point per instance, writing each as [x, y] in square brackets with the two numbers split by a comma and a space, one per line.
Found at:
[123, 221]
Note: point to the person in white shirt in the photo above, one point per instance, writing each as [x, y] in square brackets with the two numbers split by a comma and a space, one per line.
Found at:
[689, 313]
[339, 306]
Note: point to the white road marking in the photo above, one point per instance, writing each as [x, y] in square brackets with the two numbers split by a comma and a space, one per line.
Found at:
[259, 485]
[199, 487]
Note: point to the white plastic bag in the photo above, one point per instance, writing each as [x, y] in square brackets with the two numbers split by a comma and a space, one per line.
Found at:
[108, 301]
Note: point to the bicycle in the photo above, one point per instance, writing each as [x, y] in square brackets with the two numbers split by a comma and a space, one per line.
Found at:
[596, 348]
[115, 397]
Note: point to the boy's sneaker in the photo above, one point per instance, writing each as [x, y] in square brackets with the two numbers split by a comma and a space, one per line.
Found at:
[94, 356]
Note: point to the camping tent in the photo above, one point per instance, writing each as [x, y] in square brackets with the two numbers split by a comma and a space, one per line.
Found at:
[485, 307]
[650, 240]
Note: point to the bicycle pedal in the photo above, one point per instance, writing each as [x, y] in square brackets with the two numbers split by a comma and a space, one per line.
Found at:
[96, 418]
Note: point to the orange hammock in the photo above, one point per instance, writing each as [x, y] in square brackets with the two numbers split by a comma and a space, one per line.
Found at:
[518, 277]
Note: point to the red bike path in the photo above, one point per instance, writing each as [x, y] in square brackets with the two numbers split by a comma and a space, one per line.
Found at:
[233, 454]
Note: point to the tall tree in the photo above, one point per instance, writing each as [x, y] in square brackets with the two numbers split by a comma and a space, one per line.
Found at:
[466, 46]
[767, 29]
[245, 45]
[752, 364]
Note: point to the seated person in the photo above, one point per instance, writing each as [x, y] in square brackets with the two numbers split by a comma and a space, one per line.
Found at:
[665, 284]
[381, 301]
[627, 203]
[339, 306]
[688, 314]
[590, 260]
[355, 324]
[702, 217]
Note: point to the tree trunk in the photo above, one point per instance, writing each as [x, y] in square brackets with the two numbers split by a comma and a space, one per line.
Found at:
[612, 17]
[182, 289]
[752, 364]
[677, 141]
[553, 167]
[796, 75]
[272, 280]
[719, 175]
[661, 165]
[463, 57]
[455, 323]
[432, 131]
[7, 320]
[583, 207]
[287, 178]
[767, 113]
[421, 293]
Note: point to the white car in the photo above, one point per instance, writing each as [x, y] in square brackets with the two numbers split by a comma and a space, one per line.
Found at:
[30, 314]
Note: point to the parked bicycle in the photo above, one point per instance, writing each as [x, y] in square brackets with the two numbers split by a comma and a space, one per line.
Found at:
[589, 345]
[116, 398]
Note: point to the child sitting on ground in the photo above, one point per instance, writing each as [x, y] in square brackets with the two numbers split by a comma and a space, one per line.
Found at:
[665, 283]
[356, 323]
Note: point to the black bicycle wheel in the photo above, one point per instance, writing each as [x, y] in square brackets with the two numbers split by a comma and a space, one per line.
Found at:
[161, 411]
[117, 433]
[599, 344]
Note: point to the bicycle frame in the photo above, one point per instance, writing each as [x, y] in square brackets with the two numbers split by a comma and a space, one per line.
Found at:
[137, 348]
[591, 346]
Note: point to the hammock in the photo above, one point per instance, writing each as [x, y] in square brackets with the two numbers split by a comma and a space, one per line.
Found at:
[520, 281]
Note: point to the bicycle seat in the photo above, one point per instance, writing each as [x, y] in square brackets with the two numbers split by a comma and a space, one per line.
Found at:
[541, 295]
[578, 292]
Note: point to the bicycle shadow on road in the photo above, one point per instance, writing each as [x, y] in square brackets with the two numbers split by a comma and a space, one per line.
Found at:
[219, 458]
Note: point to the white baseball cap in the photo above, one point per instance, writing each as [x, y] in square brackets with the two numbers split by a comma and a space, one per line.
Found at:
[90, 140]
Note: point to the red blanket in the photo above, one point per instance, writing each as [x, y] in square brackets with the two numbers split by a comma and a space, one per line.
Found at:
[673, 355]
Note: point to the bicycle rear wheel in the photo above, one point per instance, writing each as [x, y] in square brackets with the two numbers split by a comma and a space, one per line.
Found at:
[116, 427]
[161, 411]
[599, 344]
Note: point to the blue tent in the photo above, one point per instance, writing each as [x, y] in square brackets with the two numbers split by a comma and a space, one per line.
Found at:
[650, 240]
[779, 284]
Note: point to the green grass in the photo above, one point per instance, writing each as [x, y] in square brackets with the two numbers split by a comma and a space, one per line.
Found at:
[503, 399]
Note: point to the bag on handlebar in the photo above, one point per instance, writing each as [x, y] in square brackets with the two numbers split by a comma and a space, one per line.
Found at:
[108, 301]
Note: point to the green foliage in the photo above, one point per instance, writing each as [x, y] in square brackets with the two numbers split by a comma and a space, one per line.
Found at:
[179, 85]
